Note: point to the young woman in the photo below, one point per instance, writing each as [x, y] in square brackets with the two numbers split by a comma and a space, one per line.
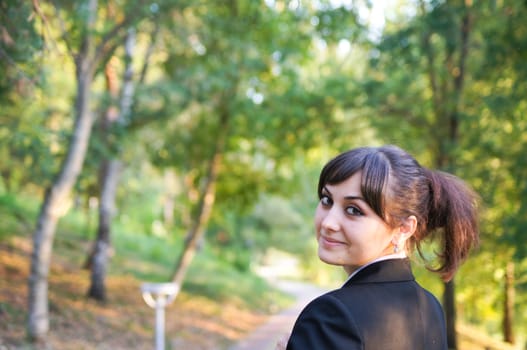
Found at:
[376, 206]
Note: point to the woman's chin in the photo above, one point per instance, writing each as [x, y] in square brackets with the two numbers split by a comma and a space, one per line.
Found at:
[328, 258]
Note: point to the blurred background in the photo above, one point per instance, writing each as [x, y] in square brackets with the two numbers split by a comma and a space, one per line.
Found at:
[182, 141]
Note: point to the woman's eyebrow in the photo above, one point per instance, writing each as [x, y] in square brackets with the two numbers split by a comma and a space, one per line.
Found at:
[325, 189]
[354, 198]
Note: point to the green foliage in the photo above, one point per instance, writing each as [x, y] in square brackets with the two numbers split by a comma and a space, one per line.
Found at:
[336, 23]
[218, 281]
[23, 147]
[19, 44]
[16, 214]
[273, 222]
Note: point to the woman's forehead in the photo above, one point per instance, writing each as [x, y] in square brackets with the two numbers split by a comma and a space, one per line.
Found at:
[351, 186]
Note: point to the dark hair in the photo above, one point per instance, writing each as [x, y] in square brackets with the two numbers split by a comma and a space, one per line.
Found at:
[396, 186]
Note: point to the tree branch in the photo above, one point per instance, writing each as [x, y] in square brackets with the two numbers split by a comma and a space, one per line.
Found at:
[104, 49]
[63, 31]
[13, 63]
[149, 51]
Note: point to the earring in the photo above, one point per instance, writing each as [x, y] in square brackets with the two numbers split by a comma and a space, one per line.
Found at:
[395, 248]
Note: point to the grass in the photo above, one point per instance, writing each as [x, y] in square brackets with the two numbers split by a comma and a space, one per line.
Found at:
[16, 216]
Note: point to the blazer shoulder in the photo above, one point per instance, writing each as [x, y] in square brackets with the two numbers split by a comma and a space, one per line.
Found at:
[326, 323]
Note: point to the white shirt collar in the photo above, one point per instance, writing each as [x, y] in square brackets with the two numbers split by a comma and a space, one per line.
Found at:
[401, 255]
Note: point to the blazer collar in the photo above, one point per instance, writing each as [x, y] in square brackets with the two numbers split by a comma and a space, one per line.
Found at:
[393, 270]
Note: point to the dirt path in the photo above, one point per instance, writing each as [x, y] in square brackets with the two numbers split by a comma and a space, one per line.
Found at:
[266, 336]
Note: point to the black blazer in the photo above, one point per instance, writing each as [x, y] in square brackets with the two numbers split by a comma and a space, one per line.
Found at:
[382, 307]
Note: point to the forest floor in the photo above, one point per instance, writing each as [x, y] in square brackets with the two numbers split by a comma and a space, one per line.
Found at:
[123, 322]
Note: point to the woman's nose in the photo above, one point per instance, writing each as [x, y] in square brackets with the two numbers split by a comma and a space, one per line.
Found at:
[330, 220]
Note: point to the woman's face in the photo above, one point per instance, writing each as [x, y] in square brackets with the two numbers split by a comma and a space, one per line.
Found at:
[349, 233]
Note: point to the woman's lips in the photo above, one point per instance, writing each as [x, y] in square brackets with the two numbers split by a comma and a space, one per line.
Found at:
[330, 242]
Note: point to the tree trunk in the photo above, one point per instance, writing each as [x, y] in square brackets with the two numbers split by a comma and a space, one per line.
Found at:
[449, 305]
[508, 304]
[55, 202]
[99, 261]
[169, 200]
[55, 205]
[205, 204]
[110, 172]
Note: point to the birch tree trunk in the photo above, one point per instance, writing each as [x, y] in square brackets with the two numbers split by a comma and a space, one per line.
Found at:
[56, 199]
[109, 176]
[101, 251]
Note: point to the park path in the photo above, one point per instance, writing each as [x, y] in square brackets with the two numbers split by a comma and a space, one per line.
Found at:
[266, 336]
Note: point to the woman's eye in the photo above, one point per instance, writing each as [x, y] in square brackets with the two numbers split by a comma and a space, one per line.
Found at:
[325, 201]
[353, 211]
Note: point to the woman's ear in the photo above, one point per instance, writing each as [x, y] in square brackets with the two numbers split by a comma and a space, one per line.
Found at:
[408, 226]
[403, 232]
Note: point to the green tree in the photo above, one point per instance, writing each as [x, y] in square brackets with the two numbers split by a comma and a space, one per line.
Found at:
[89, 46]
[501, 86]
[22, 145]
[251, 109]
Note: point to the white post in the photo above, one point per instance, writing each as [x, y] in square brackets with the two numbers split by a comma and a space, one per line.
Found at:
[158, 296]
[160, 327]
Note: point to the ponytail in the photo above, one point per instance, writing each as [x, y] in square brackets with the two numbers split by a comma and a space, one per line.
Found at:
[453, 216]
